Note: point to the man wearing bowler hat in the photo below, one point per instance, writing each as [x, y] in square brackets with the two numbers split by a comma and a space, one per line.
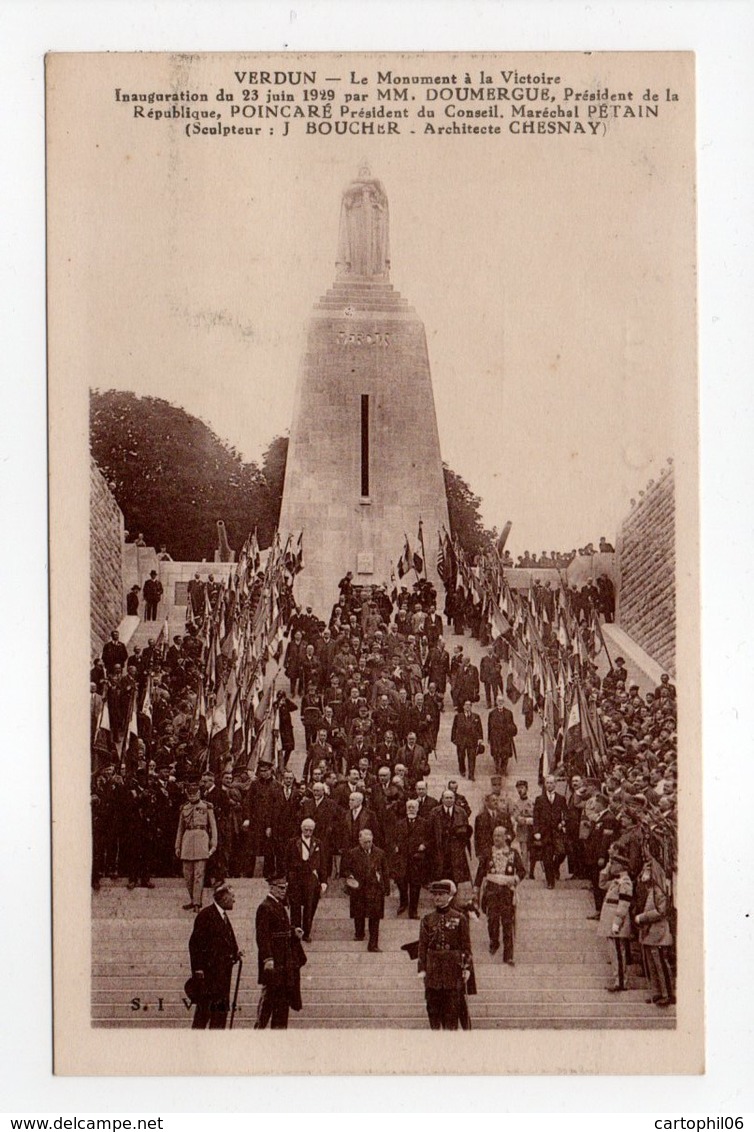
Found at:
[214, 952]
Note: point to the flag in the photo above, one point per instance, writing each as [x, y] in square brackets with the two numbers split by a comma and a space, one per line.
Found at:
[420, 558]
[549, 732]
[572, 735]
[593, 754]
[393, 585]
[146, 707]
[219, 712]
[441, 564]
[299, 554]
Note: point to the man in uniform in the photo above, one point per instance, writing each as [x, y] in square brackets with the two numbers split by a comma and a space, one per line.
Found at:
[522, 815]
[444, 958]
[280, 956]
[195, 842]
[500, 872]
[213, 951]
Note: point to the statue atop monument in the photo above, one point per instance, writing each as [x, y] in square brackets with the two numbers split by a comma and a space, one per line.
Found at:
[364, 235]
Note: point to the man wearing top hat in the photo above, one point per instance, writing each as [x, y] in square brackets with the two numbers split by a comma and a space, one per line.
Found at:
[444, 958]
[214, 952]
[280, 958]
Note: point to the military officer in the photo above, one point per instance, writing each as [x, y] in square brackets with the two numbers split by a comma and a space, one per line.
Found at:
[195, 842]
[444, 958]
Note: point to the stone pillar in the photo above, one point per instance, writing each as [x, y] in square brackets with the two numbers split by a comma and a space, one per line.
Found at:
[364, 420]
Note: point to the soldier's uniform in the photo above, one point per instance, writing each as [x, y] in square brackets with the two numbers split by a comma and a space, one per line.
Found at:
[195, 842]
[444, 958]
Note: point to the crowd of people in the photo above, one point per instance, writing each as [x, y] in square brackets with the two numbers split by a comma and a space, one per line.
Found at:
[556, 559]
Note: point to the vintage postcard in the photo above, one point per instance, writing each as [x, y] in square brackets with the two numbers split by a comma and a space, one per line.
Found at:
[373, 482]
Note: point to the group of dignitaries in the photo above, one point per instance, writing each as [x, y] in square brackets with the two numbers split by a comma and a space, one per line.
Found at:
[370, 686]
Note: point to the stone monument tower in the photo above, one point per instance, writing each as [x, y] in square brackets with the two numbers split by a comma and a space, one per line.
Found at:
[364, 460]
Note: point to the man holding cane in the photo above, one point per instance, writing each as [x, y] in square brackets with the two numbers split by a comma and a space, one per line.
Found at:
[214, 952]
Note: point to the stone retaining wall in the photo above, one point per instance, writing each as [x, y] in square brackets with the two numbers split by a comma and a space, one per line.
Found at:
[106, 531]
[646, 556]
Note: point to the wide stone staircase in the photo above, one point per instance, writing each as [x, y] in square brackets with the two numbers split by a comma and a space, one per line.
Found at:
[140, 950]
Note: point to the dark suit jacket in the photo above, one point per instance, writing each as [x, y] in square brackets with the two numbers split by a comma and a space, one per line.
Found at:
[408, 860]
[371, 871]
[213, 949]
[426, 806]
[277, 940]
[288, 816]
[304, 876]
[367, 819]
[501, 729]
[484, 824]
[548, 818]
[465, 732]
[325, 817]
[456, 836]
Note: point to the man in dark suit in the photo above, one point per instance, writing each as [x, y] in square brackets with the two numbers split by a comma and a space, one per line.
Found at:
[213, 952]
[490, 675]
[286, 818]
[261, 803]
[466, 735]
[451, 834]
[466, 686]
[486, 821]
[426, 802]
[280, 957]
[114, 652]
[410, 856]
[368, 882]
[358, 819]
[501, 730]
[307, 879]
[549, 829]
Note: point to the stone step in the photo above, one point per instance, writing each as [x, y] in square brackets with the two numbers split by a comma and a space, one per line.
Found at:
[302, 1021]
[387, 997]
[350, 951]
[354, 1011]
[523, 978]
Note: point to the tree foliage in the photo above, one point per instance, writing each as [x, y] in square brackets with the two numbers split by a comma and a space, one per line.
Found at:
[173, 478]
[463, 511]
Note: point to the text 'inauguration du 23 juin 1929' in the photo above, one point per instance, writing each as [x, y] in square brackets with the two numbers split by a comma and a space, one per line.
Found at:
[482, 103]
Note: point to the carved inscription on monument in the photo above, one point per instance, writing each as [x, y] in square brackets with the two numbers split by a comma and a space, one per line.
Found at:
[372, 338]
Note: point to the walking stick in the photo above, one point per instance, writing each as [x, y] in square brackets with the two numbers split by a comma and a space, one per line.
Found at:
[235, 995]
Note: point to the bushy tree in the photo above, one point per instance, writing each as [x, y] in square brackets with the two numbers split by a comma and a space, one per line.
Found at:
[463, 511]
[174, 478]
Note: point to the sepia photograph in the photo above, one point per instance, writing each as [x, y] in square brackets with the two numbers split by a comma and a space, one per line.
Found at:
[374, 522]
